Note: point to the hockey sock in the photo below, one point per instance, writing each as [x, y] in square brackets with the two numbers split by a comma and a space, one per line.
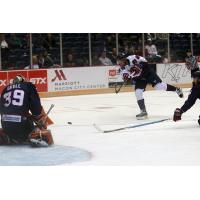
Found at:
[141, 105]
[170, 88]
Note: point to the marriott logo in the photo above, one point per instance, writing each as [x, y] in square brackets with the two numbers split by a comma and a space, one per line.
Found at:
[59, 74]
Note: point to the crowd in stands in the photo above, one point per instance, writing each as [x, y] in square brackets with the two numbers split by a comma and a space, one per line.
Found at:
[46, 52]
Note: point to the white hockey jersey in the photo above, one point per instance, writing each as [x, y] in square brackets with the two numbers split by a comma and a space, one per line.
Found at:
[134, 60]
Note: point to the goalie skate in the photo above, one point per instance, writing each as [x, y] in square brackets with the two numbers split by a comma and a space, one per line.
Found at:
[142, 115]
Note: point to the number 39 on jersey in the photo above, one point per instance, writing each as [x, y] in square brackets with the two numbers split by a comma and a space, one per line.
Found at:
[14, 97]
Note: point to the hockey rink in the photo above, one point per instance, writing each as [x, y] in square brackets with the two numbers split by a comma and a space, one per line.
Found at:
[165, 143]
[79, 143]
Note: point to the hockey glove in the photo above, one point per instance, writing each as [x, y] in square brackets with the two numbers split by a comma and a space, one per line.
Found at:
[126, 76]
[177, 114]
[135, 71]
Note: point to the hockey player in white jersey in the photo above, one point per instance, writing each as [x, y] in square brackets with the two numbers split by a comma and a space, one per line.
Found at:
[136, 68]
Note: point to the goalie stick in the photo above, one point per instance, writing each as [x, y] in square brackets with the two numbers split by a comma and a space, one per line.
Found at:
[51, 107]
[129, 127]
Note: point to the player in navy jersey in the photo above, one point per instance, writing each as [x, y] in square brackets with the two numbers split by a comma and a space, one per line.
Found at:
[193, 96]
[136, 69]
[20, 107]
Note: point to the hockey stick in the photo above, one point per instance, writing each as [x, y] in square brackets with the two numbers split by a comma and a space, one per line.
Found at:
[117, 90]
[51, 107]
[129, 127]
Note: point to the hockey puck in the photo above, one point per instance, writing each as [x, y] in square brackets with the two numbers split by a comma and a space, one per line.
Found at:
[69, 123]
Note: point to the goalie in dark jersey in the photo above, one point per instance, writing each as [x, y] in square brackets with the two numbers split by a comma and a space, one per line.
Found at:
[136, 69]
[20, 108]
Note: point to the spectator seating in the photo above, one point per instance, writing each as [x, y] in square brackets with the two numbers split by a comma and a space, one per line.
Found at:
[78, 45]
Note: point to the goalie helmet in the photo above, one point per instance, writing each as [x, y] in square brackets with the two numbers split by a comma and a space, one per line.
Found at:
[18, 79]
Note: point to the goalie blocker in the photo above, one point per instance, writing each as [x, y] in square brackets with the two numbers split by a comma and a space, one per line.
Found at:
[21, 109]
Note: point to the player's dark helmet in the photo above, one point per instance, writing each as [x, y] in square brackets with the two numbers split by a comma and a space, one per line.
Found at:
[18, 79]
[121, 56]
[196, 74]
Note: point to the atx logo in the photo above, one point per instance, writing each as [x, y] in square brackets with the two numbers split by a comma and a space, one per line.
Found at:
[38, 80]
[59, 75]
[2, 83]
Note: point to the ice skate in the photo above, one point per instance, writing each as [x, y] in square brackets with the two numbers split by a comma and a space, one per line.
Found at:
[142, 115]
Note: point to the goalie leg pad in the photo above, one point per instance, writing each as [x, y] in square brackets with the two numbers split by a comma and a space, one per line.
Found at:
[44, 135]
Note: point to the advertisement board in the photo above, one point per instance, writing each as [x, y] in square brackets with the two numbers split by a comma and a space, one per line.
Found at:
[86, 78]
[113, 74]
[174, 73]
[63, 79]
[3, 80]
[37, 77]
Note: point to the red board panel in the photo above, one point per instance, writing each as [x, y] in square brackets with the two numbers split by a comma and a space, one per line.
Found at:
[3, 80]
[39, 79]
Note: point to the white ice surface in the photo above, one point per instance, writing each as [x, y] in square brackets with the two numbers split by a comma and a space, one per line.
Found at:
[166, 143]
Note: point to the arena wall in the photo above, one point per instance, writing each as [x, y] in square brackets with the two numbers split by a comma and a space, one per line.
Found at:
[91, 80]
